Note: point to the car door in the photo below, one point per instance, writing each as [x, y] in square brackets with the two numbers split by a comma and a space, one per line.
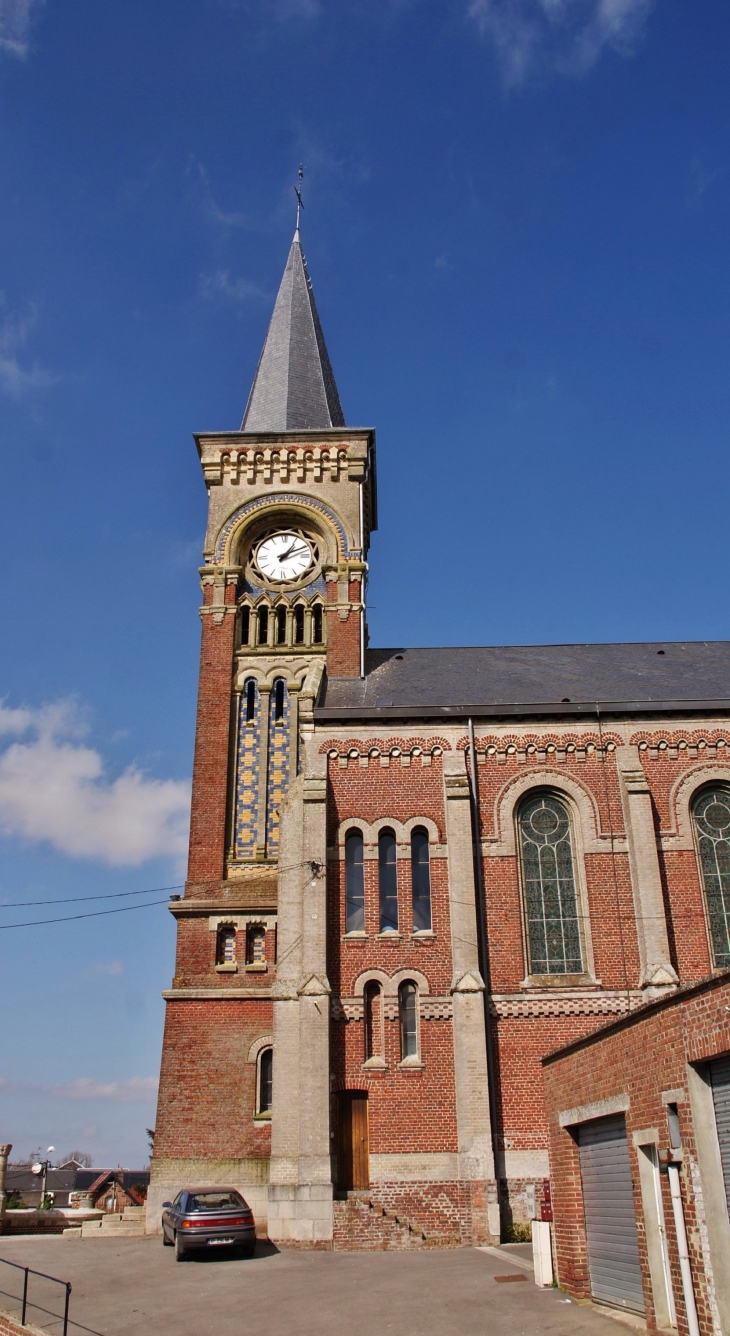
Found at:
[175, 1211]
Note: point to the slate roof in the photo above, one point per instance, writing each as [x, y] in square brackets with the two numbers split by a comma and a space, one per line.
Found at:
[294, 388]
[522, 680]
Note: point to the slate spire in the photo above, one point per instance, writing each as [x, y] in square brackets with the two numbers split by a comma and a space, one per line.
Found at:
[294, 386]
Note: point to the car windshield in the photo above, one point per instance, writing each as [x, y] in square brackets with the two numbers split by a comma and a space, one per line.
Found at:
[215, 1201]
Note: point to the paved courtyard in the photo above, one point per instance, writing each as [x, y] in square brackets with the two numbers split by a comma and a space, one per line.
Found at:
[135, 1285]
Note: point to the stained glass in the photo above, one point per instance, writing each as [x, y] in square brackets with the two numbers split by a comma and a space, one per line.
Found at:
[711, 814]
[551, 905]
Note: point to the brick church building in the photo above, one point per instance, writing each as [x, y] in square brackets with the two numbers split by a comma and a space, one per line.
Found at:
[413, 872]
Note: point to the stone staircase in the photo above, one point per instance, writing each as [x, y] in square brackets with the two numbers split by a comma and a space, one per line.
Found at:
[364, 1225]
[129, 1225]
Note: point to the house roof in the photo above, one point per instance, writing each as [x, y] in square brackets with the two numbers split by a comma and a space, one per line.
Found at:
[533, 679]
[294, 388]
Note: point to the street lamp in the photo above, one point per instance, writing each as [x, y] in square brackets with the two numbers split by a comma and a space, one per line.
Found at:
[41, 1167]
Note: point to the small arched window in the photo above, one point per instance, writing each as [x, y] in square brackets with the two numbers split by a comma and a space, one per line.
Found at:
[245, 625]
[256, 945]
[354, 882]
[279, 688]
[281, 626]
[711, 818]
[551, 902]
[317, 624]
[388, 881]
[420, 880]
[299, 625]
[263, 617]
[249, 692]
[373, 1016]
[408, 1009]
[266, 1064]
[226, 948]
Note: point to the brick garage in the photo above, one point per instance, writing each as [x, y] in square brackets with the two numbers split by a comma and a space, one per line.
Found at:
[641, 1068]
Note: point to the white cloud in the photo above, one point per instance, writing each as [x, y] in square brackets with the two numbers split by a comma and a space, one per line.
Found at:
[221, 285]
[108, 968]
[54, 789]
[16, 379]
[134, 1090]
[15, 21]
[567, 36]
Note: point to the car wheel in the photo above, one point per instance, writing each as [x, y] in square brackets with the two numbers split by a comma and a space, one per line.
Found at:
[247, 1249]
[166, 1243]
[180, 1252]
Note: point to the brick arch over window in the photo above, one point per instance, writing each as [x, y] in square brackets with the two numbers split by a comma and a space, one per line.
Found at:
[401, 829]
[681, 798]
[590, 838]
[265, 1041]
[391, 983]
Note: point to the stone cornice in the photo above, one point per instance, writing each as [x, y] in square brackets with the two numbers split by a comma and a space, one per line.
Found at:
[215, 994]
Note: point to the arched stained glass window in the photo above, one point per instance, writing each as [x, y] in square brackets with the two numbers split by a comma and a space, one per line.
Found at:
[711, 814]
[420, 881]
[354, 882]
[388, 881]
[551, 902]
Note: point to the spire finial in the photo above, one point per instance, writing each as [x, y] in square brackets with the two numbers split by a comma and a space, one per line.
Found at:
[298, 193]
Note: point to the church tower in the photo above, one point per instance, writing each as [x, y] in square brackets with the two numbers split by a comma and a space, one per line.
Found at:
[292, 504]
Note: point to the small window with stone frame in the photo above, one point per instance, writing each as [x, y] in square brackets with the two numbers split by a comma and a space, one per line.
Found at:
[226, 945]
[256, 944]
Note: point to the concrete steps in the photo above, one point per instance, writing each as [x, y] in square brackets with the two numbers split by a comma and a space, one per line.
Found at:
[129, 1225]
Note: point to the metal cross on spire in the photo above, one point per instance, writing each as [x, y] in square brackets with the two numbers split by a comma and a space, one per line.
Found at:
[298, 192]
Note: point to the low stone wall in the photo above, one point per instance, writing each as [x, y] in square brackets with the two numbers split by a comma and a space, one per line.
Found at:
[26, 1220]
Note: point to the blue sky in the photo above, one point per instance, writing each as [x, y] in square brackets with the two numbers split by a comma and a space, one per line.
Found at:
[516, 223]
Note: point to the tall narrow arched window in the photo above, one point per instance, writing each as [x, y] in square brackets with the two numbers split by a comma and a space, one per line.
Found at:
[408, 1009]
[266, 1064]
[551, 901]
[249, 692]
[354, 882]
[299, 625]
[245, 625]
[711, 817]
[279, 688]
[420, 880]
[388, 881]
[373, 1017]
[317, 624]
[263, 628]
[281, 626]
[226, 946]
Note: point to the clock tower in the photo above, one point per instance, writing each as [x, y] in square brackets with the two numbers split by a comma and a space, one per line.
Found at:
[291, 509]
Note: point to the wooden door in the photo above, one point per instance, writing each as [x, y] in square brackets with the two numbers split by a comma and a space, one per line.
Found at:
[353, 1158]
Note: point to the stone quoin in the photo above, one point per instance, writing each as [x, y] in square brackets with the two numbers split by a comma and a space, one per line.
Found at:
[383, 932]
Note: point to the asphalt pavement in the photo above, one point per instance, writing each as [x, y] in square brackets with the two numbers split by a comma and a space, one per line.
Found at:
[136, 1286]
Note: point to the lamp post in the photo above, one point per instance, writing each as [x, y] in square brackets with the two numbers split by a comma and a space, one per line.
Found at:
[5, 1149]
[41, 1167]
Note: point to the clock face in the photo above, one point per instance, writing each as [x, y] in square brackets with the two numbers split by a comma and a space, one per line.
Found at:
[284, 556]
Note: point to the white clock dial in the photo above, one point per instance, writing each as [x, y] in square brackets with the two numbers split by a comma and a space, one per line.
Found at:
[284, 556]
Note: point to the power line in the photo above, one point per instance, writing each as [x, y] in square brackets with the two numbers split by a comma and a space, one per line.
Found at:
[69, 918]
[107, 895]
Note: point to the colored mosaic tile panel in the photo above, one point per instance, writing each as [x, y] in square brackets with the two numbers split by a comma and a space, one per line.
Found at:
[248, 777]
[279, 767]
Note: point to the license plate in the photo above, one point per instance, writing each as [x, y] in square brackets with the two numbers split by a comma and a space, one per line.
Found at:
[216, 1243]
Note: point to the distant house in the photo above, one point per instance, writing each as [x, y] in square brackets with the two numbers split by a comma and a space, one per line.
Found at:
[110, 1189]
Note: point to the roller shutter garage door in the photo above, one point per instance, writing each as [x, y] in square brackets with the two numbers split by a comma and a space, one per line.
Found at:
[720, 1081]
[608, 1199]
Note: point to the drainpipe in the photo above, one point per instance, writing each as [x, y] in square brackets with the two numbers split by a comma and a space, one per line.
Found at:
[684, 1267]
[482, 935]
